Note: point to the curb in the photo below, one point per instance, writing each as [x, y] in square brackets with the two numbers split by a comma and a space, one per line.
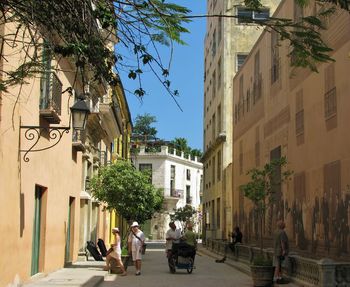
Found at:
[94, 281]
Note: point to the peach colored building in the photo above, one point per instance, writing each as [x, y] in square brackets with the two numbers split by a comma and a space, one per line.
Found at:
[284, 111]
[47, 212]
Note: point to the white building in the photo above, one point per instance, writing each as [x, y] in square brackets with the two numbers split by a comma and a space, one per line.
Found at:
[178, 176]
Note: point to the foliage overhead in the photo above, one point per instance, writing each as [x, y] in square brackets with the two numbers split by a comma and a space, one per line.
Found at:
[127, 190]
[183, 215]
[80, 29]
[262, 187]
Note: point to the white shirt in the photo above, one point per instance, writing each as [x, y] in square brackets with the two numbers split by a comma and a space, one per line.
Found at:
[174, 234]
[135, 242]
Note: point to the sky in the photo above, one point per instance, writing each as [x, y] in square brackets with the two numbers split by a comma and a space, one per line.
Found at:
[186, 76]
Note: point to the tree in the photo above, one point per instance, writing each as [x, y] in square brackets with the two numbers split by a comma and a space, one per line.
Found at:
[127, 191]
[196, 153]
[183, 215]
[180, 144]
[143, 127]
[262, 187]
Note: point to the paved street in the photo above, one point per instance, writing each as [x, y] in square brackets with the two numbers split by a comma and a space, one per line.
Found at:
[155, 273]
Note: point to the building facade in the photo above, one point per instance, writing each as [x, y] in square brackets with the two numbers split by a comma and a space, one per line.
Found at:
[228, 41]
[181, 179]
[46, 209]
[303, 116]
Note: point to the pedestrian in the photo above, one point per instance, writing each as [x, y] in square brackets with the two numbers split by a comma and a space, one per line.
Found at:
[115, 252]
[236, 238]
[281, 249]
[173, 235]
[136, 241]
[191, 239]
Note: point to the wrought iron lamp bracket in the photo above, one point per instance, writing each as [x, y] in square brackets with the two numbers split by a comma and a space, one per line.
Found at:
[34, 133]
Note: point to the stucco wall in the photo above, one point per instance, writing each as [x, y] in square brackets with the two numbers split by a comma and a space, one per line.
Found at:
[314, 203]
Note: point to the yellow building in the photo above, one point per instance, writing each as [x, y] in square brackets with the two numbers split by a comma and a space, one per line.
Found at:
[227, 44]
[304, 116]
[46, 208]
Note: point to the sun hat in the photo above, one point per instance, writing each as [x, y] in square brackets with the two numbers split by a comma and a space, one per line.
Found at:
[115, 229]
[134, 224]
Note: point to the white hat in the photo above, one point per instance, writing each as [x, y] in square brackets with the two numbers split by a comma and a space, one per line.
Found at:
[134, 224]
[115, 229]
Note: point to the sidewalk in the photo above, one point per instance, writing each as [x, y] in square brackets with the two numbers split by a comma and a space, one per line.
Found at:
[79, 274]
[235, 264]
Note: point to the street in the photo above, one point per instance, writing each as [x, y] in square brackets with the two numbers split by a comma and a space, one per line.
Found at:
[155, 273]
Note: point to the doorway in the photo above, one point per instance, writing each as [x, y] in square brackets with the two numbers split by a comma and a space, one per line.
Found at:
[38, 230]
[70, 231]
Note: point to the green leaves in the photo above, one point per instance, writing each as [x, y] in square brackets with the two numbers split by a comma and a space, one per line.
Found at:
[260, 187]
[127, 190]
[184, 214]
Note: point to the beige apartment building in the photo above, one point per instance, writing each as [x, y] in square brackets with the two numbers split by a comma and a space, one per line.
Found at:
[46, 208]
[228, 41]
[304, 116]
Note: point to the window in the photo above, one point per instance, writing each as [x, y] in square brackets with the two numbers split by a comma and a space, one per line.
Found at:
[213, 46]
[257, 146]
[257, 85]
[188, 174]
[219, 119]
[213, 170]
[299, 116]
[146, 167]
[50, 85]
[219, 166]
[275, 61]
[330, 97]
[245, 15]
[240, 58]
[240, 157]
[172, 180]
[213, 127]
[214, 84]
[218, 212]
[219, 73]
[188, 194]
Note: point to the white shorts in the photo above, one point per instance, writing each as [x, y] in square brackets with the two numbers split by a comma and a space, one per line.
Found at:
[136, 253]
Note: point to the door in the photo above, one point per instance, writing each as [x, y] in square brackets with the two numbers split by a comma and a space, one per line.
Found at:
[70, 231]
[36, 230]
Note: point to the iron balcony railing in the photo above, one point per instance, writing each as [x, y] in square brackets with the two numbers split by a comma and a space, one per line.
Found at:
[51, 93]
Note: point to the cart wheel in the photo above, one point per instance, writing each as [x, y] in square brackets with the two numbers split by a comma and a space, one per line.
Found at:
[190, 266]
[171, 263]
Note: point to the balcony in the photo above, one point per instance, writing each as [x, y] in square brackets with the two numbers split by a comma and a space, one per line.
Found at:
[78, 140]
[50, 98]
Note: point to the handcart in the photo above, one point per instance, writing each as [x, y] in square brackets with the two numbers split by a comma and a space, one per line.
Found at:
[181, 257]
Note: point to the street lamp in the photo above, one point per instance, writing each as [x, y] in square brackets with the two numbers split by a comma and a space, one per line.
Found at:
[79, 114]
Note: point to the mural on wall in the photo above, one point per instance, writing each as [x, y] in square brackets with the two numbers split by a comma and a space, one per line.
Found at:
[327, 235]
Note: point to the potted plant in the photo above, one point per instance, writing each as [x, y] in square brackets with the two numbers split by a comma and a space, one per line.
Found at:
[260, 190]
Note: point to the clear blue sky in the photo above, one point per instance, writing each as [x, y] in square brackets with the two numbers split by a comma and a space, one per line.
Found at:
[186, 75]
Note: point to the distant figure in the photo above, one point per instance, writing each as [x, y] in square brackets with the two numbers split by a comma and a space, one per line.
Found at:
[281, 249]
[173, 235]
[191, 238]
[136, 240]
[236, 238]
[115, 252]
